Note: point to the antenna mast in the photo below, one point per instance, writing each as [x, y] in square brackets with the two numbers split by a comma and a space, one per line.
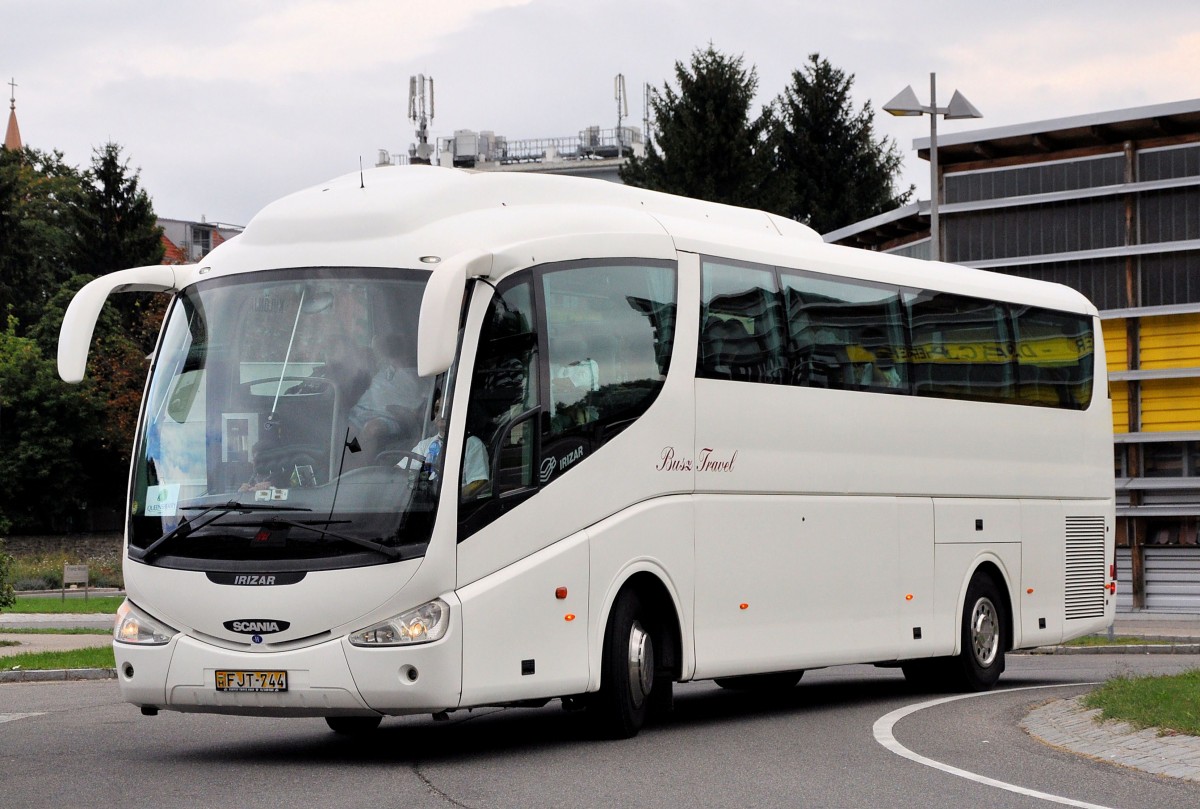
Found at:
[420, 113]
[622, 108]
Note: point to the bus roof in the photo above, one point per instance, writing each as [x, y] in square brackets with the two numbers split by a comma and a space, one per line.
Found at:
[394, 216]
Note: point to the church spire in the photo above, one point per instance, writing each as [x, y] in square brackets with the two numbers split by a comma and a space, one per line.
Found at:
[12, 136]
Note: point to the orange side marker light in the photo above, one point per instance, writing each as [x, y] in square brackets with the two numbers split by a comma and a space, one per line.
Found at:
[743, 606]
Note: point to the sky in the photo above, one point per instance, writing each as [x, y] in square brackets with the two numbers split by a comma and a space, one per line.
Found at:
[226, 105]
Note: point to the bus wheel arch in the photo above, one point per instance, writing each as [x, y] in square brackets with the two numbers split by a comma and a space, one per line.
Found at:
[991, 569]
[984, 627]
[641, 657]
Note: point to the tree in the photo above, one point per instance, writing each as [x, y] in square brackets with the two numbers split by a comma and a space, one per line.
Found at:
[7, 596]
[837, 171]
[38, 194]
[707, 146]
[51, 448]
[115, 228]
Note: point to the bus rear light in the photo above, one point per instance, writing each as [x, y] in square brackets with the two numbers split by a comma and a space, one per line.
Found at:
[1112, 571]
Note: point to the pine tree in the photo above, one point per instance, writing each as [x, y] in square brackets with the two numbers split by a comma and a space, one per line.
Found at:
[837, 172]
[115, 222]
[116, 228]
[707, 146]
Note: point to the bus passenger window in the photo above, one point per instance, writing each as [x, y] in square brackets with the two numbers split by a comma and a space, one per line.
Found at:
[1055, 354]
[740, 330]
[609, 328]
[846, 335]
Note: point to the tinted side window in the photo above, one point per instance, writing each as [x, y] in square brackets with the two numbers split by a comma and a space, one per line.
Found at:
[741, 334]
[609, 328]
[502, 407]
[962, 348]
[845, 335]
[1055, 357]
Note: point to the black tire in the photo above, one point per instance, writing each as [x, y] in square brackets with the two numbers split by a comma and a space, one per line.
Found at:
[980, 661]
[629, 683]
[353, 725]
[773, 683]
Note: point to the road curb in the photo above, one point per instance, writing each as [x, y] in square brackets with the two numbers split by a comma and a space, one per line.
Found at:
[56, 675]
[1127, 649]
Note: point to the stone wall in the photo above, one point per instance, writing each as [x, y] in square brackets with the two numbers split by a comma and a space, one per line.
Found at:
[80, 545]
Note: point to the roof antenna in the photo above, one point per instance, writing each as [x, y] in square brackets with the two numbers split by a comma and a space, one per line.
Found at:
[362, 183]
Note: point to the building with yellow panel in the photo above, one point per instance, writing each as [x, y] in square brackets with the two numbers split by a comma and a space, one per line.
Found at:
[1107, 203]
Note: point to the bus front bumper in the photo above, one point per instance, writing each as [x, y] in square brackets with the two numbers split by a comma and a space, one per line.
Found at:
[332, 678]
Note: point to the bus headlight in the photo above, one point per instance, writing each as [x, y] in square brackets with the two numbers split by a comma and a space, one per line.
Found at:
[135, 626]
[422, 624]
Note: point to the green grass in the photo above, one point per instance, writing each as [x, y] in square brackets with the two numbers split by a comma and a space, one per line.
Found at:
[104, 605]
[100, 658]
[9, 643]
[1170, 703]
[1102, 640]
[12, 630]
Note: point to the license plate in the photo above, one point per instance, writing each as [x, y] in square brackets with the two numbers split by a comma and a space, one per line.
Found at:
[252, 681]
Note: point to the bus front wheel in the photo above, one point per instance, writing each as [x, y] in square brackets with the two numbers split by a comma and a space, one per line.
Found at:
[628, 685]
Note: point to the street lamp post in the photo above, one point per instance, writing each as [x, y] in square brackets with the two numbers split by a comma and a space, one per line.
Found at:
[906, 103]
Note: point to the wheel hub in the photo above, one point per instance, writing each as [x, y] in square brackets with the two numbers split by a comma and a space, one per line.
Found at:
[641, 664]
[985, 638]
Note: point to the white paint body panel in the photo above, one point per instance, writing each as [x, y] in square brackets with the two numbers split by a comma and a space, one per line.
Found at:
[843, 521]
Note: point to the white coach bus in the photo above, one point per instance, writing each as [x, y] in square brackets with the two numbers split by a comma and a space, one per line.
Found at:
[424, 439]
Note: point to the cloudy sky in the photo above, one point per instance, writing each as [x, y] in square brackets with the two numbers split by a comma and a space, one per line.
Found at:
[227, 104]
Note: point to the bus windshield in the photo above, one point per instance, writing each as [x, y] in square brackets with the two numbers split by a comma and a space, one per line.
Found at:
[285, 424]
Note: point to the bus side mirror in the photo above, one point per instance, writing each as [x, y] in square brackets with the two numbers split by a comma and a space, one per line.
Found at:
[84, 310]
[441, 307]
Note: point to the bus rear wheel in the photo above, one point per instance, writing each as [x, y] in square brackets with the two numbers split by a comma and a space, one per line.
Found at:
[980, 661]
[629, 687]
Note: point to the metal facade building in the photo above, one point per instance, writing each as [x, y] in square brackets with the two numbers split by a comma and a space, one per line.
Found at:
[1109, 204]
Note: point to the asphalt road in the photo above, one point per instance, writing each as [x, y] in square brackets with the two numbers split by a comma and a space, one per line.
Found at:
[76, 744]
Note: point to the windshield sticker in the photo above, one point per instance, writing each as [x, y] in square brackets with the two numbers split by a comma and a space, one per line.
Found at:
[161, 501]
[270, 494]
[706, 460]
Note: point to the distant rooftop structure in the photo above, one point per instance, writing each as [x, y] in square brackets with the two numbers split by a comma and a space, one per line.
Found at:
[1038, 138]
[12, 135]
[594, 152]
[187, 242]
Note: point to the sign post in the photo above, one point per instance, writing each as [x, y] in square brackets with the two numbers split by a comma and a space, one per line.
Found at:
[75, 574]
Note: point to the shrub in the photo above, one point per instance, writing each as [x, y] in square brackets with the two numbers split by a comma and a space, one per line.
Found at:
[44, 571]
[7, 596]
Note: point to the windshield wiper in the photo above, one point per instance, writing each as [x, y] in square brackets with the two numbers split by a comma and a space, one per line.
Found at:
[386, 550]
[218, 511]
